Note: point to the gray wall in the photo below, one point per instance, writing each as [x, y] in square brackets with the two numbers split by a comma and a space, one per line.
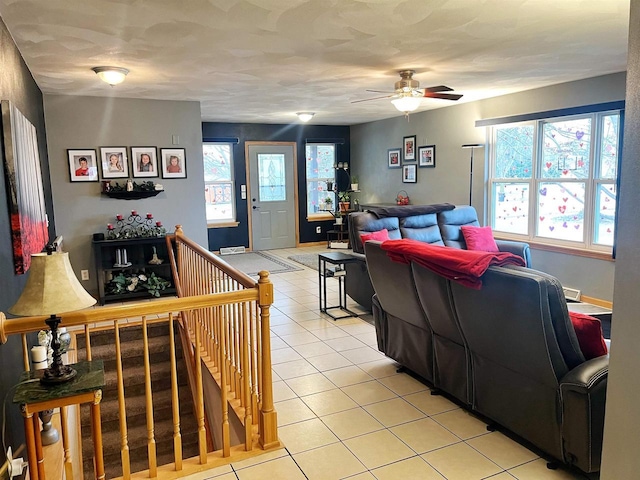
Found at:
[622, 422]
[449, 128]
[92, 122]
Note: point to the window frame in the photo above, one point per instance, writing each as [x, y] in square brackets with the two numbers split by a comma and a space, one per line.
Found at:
[592, 182]
[324, 215]
[226, 221]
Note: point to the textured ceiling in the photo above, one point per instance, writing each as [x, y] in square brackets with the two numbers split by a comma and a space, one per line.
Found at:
[261, 61]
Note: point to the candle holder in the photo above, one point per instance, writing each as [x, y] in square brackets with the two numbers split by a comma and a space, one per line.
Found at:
[134, 226]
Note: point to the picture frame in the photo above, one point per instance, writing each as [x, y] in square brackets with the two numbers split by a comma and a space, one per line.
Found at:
[427, 156]
[393, 157]
[142, 168]
[174, 162]
[409, 149]
[409, 173]
[114, 162]
[83, 165]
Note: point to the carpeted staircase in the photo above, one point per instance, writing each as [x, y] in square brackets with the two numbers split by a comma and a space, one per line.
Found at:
[103, 347]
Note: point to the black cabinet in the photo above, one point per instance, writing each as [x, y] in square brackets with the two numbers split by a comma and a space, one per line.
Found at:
[130, 258]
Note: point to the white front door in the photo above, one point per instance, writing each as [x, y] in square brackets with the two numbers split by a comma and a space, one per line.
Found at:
[272, 195]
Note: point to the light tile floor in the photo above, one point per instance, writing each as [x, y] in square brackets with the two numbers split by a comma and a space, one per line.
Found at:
[345, 412]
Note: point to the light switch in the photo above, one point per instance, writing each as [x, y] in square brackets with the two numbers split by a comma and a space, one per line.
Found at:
[175, 139]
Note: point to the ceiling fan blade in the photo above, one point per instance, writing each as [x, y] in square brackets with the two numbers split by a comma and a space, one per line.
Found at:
[443, 96]
[380, 91]
[374, 98]
[438, 88]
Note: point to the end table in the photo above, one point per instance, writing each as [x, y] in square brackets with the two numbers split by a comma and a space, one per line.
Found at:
[338, 259]
[35, 397]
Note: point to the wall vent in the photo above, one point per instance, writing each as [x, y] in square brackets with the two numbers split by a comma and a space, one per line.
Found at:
[571, 294]
[232, 250]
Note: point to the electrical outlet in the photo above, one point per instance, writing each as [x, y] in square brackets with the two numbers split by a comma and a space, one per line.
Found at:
[84, 274]
[318, 229]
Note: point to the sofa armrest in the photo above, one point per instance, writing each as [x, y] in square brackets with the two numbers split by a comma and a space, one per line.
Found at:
[582, 394]
[358, 285]
[517, 248]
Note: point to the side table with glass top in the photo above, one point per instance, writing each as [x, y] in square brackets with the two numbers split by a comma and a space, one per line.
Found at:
[338, 260]
[34, 397]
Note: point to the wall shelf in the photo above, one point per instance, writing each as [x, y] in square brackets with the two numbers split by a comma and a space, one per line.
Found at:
[133, 195]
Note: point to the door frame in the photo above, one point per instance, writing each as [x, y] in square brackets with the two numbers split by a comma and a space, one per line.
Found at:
[296, 209]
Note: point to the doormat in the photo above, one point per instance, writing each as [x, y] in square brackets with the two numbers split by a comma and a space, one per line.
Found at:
[253, 262]
[307, 259]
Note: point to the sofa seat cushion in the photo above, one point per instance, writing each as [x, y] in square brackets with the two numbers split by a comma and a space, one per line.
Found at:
[380, 236]
[479, 238]
[589, 332]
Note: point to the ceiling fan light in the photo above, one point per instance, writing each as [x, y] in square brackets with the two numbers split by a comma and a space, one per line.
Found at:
[406, 103]
[111, 75]
[305, 116]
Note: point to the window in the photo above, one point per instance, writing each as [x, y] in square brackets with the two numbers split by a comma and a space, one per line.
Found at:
[218, 182]
[554, 180]
[321, 161]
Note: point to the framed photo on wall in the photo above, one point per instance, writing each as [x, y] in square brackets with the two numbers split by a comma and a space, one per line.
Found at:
[114, 162]
[394, 157]
[427, 156]
[144, 161]
[83, 166]
[409, 174]
[409, 149]
[174, 163]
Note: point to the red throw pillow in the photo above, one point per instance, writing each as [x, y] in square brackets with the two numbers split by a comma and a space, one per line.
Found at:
[589, 332]
[380, 236]
[479, 238]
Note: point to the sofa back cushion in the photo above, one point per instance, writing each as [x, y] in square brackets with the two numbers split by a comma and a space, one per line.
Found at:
[450, 222]
[365, 222]
[423, 228]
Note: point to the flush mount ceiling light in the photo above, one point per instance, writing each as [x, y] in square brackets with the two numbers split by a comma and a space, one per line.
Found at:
[305, 116]
[111, 75]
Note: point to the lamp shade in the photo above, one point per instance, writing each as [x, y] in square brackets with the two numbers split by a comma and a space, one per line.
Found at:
[51, 288]
[111, 75]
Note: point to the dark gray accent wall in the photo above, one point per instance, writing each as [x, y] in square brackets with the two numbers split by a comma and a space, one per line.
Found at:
[622, 421]
[93, 122]
[251, 132]
[18, 86]
[451, 127]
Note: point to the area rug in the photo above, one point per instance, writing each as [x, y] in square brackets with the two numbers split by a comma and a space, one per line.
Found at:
[253, 262]
[307, 259]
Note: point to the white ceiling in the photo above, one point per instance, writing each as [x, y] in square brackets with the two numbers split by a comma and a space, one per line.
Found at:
[260, 61]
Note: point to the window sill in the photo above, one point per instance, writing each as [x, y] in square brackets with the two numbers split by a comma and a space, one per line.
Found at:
[579, 252]
[223, 224]
[320, 217]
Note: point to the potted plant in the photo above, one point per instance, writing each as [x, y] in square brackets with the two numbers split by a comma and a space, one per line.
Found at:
[344, 201]
[354, 182]
[338, 216]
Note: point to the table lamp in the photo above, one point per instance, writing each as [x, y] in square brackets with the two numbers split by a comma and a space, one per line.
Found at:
[52, 288]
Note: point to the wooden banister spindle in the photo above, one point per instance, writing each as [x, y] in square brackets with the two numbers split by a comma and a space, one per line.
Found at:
[246, 376]
[151, 440]
[25, 353]
[68, 464]
[175, 399]
[122, 409]
[226, 447]
[87, 341]
[202, 434]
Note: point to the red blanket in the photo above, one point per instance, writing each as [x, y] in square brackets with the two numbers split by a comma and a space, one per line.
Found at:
[463, 266]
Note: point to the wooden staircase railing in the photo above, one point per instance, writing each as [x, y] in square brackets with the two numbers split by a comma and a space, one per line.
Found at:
[224, 317]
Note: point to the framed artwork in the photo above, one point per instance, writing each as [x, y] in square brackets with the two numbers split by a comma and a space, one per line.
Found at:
[394, 157]
[114, 162]
[409, 149]
[83, 165]
[427, 156]
[174, 163]
[144, 161]
[409, 174]
[25, 192]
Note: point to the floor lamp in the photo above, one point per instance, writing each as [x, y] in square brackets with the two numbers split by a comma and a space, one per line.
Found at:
[471, 146]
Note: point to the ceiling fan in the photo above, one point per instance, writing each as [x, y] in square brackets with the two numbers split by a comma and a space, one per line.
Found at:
[407, 94]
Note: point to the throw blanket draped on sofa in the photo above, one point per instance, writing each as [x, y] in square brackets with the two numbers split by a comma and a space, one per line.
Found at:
[463, 266]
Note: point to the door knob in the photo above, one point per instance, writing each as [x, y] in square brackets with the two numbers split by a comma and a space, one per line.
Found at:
[255, 208]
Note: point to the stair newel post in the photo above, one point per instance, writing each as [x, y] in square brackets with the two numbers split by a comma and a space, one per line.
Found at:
[246, 373]
[224, 383]
[268, 424]
[175, 402]
[151, 440]
[122, 409]
[202, 436]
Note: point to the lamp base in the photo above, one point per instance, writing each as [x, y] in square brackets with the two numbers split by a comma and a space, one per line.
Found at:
[52, 377]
